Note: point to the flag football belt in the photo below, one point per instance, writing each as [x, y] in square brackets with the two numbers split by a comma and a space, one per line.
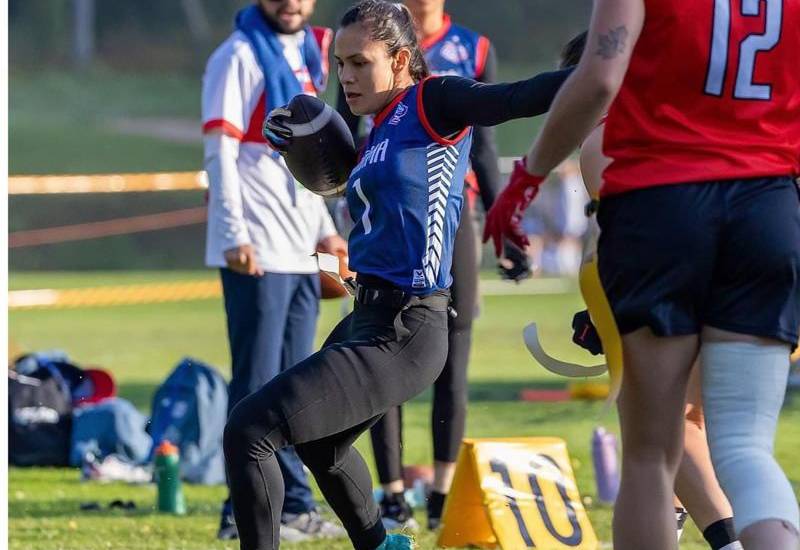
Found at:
[394, 298]
[387, 297]
[397, 299]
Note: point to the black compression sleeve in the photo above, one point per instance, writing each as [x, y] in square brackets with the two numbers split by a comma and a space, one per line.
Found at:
[351, 119]
[484, 147]
[452, 103]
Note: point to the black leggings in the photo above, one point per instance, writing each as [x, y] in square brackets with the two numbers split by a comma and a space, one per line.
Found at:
[321, 406]
[449, 415]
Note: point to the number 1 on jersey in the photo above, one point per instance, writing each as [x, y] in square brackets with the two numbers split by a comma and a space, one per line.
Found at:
[365, 216]
[744, 87]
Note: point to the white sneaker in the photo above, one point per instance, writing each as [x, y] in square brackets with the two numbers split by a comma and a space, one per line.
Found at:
[114, 468]
[308, 526]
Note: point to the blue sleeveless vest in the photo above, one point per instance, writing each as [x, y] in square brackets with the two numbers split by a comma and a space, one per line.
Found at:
[457, 51]
[405, 197]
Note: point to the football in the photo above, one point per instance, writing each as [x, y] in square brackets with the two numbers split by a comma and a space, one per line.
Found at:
[315, 142]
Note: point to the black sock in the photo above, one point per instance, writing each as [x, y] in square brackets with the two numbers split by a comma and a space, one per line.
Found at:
[680, 517]
[720, 533]
[394, 506]
[395, 498]
[435, 504]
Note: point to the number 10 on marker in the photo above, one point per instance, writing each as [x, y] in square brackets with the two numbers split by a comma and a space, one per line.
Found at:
[515, 494]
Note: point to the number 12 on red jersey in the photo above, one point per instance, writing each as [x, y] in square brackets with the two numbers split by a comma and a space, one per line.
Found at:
[744, 87]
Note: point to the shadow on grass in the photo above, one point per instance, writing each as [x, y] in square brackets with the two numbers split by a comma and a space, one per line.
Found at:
[71, 507]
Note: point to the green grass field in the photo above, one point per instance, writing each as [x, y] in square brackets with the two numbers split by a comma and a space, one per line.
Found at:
[140, 344]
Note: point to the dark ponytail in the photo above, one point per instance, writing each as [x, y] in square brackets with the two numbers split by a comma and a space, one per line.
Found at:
[392, 24]
[572, 51]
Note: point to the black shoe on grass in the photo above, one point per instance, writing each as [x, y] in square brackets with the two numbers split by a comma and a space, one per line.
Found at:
[227, 525]
[435, 506]
[397, 514]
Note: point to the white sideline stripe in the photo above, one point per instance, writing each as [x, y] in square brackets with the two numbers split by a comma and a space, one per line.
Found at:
[30, 298]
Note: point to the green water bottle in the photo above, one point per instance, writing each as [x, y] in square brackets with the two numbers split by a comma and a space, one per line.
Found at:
[168, 478]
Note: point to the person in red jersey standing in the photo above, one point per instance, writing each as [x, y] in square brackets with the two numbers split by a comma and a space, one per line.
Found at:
[700, 246]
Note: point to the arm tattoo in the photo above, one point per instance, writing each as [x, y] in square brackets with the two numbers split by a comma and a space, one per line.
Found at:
[612, 44]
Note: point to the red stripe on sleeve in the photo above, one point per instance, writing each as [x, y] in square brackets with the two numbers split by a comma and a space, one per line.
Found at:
[426, 124]
[481, 53]
[228, 128]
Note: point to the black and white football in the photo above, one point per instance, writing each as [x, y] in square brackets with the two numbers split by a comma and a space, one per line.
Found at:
[315, 142]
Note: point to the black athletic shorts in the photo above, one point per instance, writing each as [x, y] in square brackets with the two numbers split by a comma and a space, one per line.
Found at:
[724, 254]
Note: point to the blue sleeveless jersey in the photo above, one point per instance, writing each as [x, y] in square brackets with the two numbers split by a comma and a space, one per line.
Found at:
[405, 197]
[456, 50]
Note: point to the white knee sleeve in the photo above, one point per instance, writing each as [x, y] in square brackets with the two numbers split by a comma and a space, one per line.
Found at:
[743, 389]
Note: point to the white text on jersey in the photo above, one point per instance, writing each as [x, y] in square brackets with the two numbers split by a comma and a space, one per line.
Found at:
[376, 153]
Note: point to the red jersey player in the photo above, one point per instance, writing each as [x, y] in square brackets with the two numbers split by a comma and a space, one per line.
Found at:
[700, 246]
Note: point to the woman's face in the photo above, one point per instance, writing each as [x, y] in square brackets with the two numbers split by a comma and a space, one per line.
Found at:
[370, 77]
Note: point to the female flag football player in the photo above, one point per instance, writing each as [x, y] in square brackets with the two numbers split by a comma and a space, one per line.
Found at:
[405, 195]
[695, 483]
[700, 245]
[449, 49]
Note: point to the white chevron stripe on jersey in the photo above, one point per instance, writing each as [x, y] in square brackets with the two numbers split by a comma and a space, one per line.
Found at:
[441, 161]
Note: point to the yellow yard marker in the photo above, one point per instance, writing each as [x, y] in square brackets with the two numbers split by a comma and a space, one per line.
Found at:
[515, 493]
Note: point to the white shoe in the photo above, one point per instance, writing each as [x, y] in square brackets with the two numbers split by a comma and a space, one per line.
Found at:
[308, 526]
[114, 468]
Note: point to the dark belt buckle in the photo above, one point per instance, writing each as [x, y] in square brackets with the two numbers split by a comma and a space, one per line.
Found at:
[381, 297]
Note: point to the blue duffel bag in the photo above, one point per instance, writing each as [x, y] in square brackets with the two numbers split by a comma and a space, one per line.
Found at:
[189, 410]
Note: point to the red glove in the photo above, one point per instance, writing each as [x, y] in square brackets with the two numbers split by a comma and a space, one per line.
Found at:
[505, 215]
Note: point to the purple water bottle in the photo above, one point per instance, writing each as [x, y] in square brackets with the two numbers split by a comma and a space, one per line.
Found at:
[606, 469]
